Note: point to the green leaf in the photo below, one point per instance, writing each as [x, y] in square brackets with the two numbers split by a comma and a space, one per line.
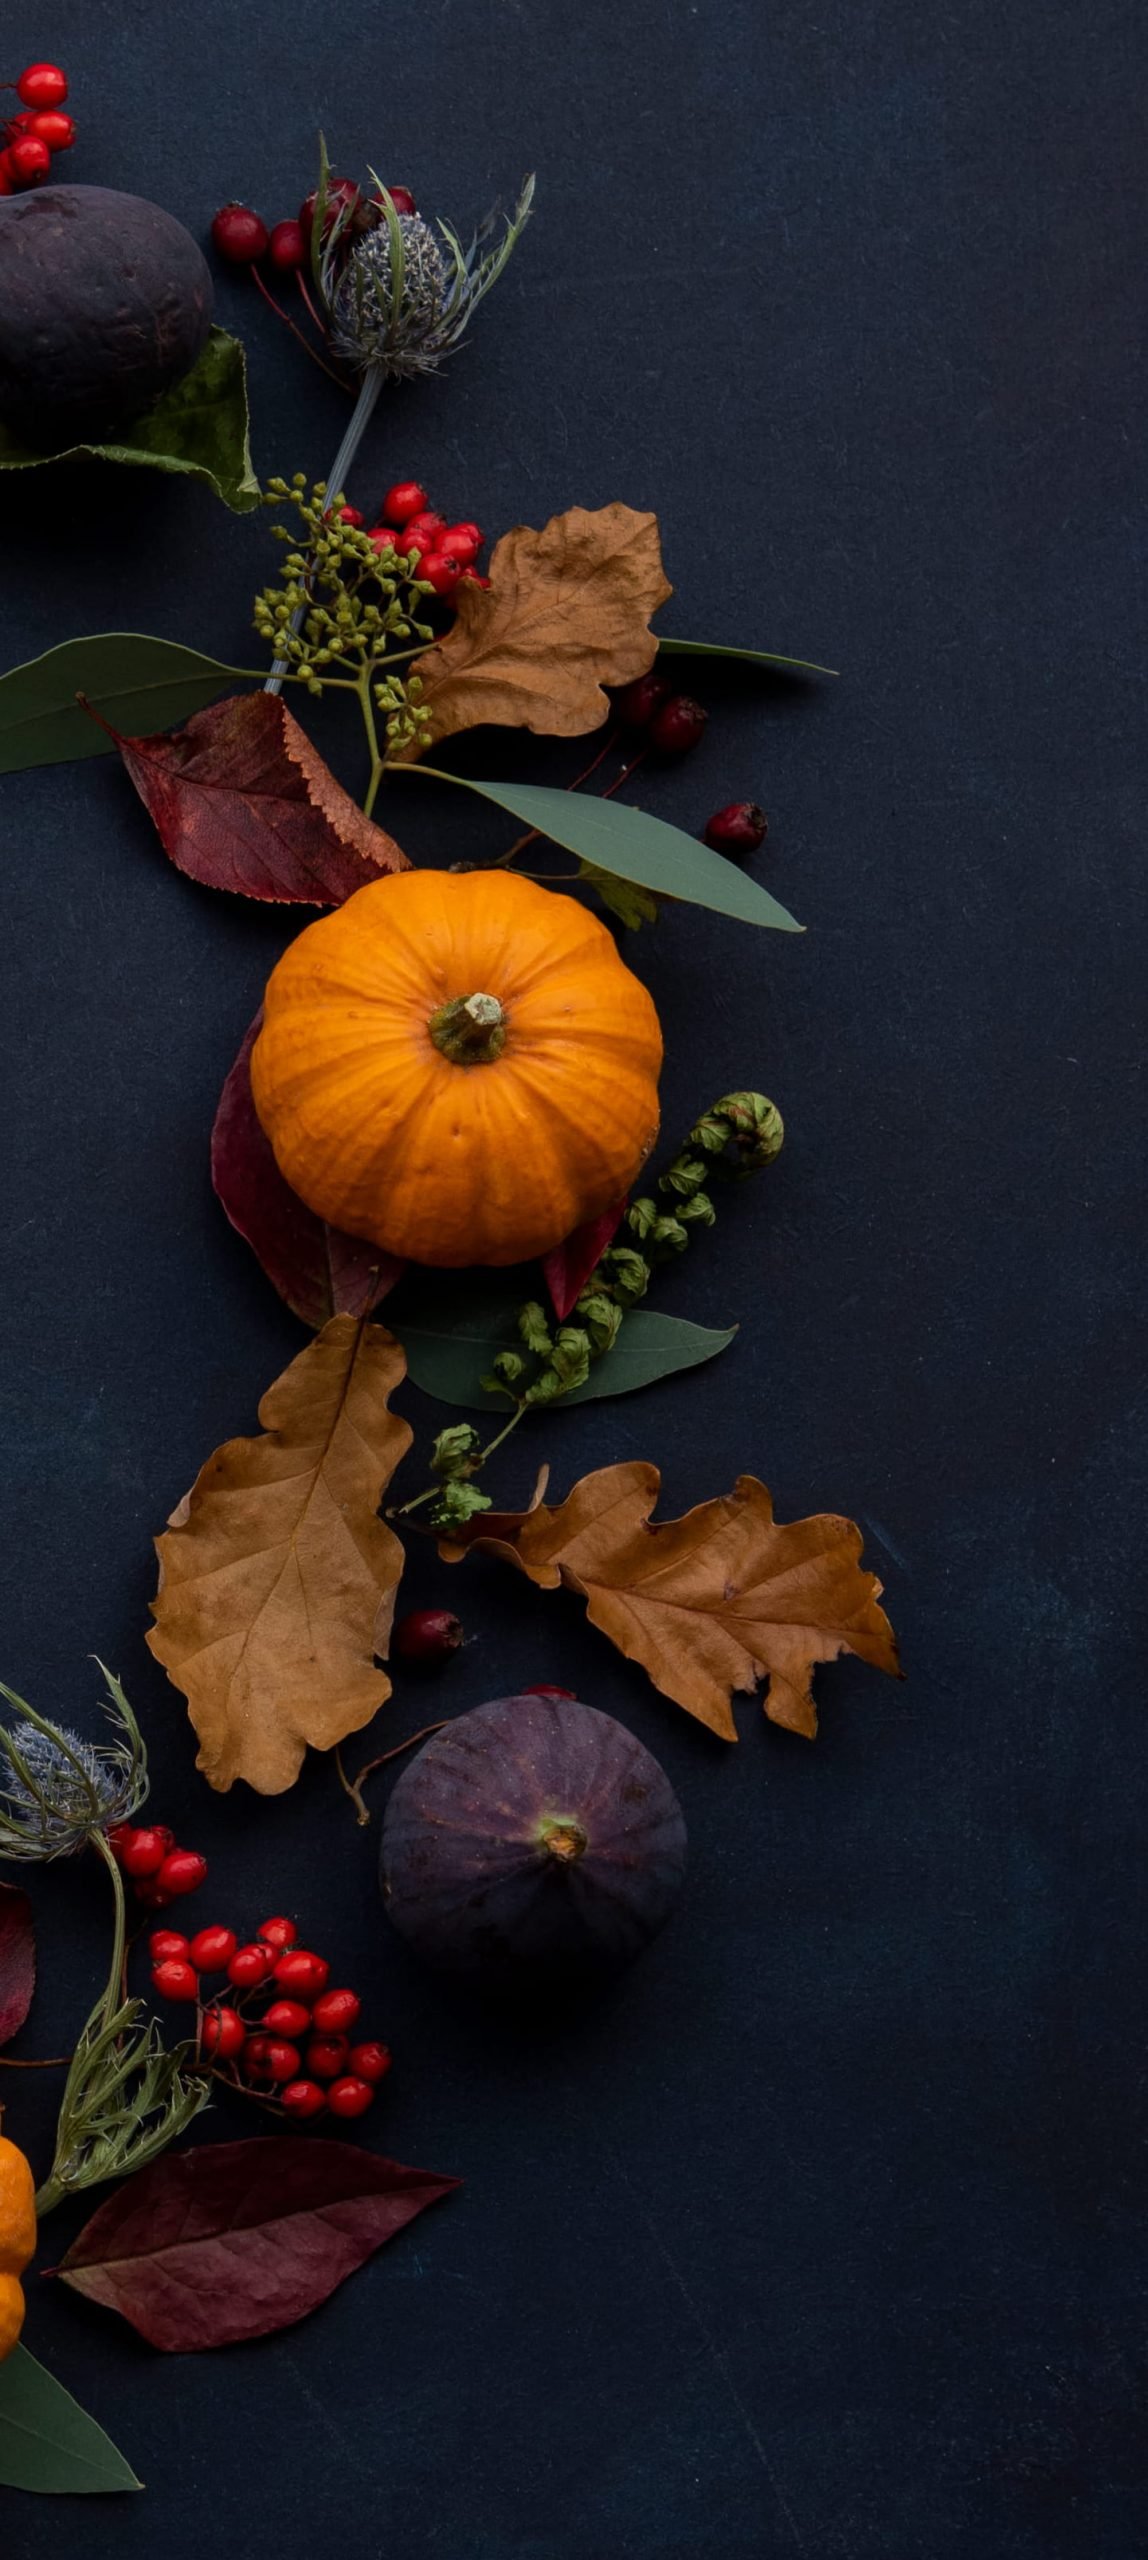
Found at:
[200, 428]
[47, 2442]
[753, 657]
[139, 684]
[633, 846]
[450, 1359]
[623, 898]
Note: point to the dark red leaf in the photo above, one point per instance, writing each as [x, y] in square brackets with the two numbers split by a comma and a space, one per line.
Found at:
[569, 1266]
[242, 801]
[17, 1959]
[235, 2239]
[320, 1272]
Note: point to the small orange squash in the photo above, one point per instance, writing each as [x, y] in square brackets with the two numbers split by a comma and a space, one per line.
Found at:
[458, 1066]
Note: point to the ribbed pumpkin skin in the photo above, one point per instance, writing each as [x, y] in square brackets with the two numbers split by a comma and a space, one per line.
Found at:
[440, 1163]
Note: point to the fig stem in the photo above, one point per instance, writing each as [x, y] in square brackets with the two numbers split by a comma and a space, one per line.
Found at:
[353, 1786]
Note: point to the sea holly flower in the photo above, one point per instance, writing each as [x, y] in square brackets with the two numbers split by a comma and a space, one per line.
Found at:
[399, 295]
[56, 1790]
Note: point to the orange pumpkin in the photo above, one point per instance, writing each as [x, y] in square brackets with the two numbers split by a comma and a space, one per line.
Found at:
[457, 1066]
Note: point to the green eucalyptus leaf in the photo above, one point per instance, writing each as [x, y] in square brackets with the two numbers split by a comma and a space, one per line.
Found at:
[47, 2442]
[752, 657]
[632, 845]
[137, 683]
[450, 1358]
[199, 428]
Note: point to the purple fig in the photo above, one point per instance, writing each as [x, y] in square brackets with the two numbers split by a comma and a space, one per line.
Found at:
[532, 1839]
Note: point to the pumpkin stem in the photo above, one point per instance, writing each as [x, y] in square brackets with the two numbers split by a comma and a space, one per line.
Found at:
[469, 1030]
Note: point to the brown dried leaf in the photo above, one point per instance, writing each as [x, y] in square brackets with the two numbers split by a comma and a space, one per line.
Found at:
[567, 611]
[277, 1578]
[713, 1602]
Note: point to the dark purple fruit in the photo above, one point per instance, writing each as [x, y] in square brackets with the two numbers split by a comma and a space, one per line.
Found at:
[532, 1839]
[105, 303]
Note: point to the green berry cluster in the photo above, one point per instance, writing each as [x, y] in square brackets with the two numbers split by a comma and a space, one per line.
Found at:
[346, 611]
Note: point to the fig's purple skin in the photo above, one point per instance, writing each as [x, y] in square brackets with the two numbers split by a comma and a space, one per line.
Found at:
[105, 303]
[532, 1839]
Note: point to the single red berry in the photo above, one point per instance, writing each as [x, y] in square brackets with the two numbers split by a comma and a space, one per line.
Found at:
[381, 541]
[118, 1837]
[427, 1636]
[249, 1966]
[340, 192]
[678, 725]
[164, 1943]
[402, 502]
[223, 2033]
[277, 1932]
[441, 572]
[302, 2098]
[370, 2061]
[211, 1950]
[354, 517]
[302, 1976]
[402, 199]
[29, 160]
[335, 2011]
[255, 2052]
[413, 539]
[636, 704]
[349, 2097]
[56, 130]
[738, 829]
[464, 542]
[327, 2057]
[183, 1871]
[239, 235]
[281, 2061]
[426, 521]
[287, 248]
[287, 2018]
[175, 1979]
[145, 1852]
[43, 84]
[470, 577]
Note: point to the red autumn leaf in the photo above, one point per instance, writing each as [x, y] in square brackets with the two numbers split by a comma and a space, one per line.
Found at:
[243, 802]
[569, 1265]
[17, 1960]
[235, 2239]
[320, 1271]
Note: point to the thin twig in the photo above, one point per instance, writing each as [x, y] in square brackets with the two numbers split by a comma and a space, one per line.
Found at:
[533, 834]
[50, 2062]
[353, 1786]
[288, 323]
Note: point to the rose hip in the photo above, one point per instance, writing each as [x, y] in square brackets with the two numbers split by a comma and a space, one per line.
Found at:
[223, 2033]
[302, 2098]
[335, 2011]
[302, 1975]
[740, 828]
[287, 2018]
[349, 2097]
[326, 2057]
[427, 1636]
[369, 2061]
[211, 1950]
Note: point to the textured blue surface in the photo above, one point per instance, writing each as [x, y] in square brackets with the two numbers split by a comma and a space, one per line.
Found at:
[823, 2241]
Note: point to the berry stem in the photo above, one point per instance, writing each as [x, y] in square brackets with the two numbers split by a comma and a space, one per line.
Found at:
[301, 281]
[361, 416]
[353, 1786]
[288, 323]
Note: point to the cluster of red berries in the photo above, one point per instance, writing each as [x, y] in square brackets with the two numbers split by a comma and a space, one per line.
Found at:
[673, 723]
[243, 238]
[407, 523]
[299, 2048]
[31, 137]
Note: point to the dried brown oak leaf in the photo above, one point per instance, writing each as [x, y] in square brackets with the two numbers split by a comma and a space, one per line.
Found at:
[277, 1578]
[713, 1602]
[567, 611]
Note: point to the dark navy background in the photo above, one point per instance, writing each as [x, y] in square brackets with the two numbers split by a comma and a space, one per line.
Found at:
[823, 2237]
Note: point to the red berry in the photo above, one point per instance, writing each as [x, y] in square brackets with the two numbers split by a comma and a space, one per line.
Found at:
[402, 199]
[441, 572]
[145, 1852]
[29, 160]
[287, 248]
[175, 1979]
[381, 541]
[402, 502]
[281, 2061]
[327, 2057]
[211, 1950]
[118, 1836]
[255, 2053]
[249, 1967]
[426, 522]
[370, 2061]
[340, 192]
[354, 517]
[413, 539]
[239, 235]
[223, 2033]
[287, 2018]
[277, 1933]
[349, 2097]
[302, 2098]
[164, 1943]
[464, 542]
[427, 1636]
[182, 1872]
[57, 131]
[302, 1975]
[738, 829]
[335, 2012]
[43, 84]
[678, 725]
[636, 704]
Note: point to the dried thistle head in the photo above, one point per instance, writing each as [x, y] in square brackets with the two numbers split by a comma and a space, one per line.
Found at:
[397, 292]
[57, 1789]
